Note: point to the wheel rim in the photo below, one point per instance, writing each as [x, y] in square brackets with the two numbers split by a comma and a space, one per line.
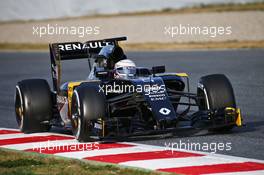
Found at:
[76, 120]
[19, 108]
[204, 102]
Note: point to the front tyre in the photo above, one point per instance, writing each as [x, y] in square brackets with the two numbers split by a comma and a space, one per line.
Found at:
[88, 105]
[33, 105]
[217, 93]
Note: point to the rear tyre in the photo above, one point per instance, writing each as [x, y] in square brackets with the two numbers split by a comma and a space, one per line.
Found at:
[33, 105]
[88, 105]
[217, 93]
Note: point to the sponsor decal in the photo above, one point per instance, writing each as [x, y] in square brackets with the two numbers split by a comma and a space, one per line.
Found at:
[83, 46]
[164, 111]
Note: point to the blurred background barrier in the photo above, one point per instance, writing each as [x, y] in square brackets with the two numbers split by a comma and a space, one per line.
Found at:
[48, 9]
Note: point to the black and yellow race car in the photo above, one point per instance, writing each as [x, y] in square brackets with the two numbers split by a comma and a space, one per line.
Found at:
[122, 101]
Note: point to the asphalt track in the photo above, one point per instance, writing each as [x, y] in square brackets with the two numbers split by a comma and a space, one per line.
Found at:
[243, 67]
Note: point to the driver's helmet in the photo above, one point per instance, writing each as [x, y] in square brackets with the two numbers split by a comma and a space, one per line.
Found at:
[125, 69]
[109, 55]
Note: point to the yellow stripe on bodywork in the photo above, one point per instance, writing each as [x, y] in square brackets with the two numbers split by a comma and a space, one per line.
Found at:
[239, 118]
[71, 86]
[182, 74]
[175, 74]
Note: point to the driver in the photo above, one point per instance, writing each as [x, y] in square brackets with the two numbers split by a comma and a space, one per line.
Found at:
[106, 59]
[125, 69]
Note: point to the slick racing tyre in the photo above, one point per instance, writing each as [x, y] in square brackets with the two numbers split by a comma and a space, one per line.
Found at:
[33, 105]
[88, 105]
[217, 93]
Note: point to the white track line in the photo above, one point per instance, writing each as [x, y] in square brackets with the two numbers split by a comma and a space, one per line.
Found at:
[45, 144]
[110, 151]
[11, 129]
[259, 172]
[21, 135]
[220, 156]
[177, 162]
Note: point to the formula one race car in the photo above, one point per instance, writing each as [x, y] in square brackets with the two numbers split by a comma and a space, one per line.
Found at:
[119, 99]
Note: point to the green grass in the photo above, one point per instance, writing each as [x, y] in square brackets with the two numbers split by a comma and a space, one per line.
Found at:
[21, 163]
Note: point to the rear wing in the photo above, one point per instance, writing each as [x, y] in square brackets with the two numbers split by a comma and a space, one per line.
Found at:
[75, 50]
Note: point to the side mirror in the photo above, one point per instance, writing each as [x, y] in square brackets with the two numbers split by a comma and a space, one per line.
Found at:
[158, 69]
